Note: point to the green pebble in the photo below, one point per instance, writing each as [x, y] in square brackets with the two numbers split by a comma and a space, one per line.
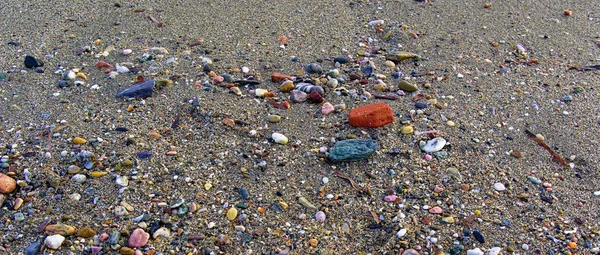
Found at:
[352, 150]
[274, 118]
[241, 205]
[407, 86]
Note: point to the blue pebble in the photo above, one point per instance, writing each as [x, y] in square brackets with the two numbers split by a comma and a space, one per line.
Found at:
[33, 248]
[420, 105]
[478, 236]
[144, 154]
[138, 90]
[567, 98]
[244, 193]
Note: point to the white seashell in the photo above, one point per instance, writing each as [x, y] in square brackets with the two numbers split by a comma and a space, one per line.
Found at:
[433, 145]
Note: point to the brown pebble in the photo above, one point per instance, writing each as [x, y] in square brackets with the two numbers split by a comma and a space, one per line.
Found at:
[7, 184]
[313, 242]
[126, 251]
[516, 153]
[86, 232]
[465, 187]
[568, 12]
[487, 5]
[18, 203]
[61, 229]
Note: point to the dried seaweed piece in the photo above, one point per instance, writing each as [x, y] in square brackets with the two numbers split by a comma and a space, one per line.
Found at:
[540, 142]
[347, 178]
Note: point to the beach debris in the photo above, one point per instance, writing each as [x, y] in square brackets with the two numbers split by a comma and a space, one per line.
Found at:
[541, 143]
[433, 145]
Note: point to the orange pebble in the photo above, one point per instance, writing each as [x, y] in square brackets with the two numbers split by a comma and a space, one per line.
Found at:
[572, 245]
[261, 210]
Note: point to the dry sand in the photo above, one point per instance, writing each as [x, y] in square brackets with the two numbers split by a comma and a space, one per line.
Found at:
[465, 48]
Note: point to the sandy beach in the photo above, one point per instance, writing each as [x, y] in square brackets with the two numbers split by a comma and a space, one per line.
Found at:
[492, 148]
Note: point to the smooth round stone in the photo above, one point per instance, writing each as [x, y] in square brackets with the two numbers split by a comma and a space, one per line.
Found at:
[34, 248]
[75, 197]
[407, 130]
[401, 233]
[297, 96]
[341, 60]
[79, 178]
[19, 216]
[162, 232]
[433, 145]
[390, 198]
[327, 108]
[332, 83]
[410, 252]
[420, 105]
[499, 186]
[122, 181]
[495, 251]
[313, 68]
[279, 138]
[287, 86]
[407, 86]
[320, 216]
[232, 213]
[86, 232]
[73, 169]
[274, 118]
[32, 62]
[54, 241]
[7, 184]
[534, 179]
[325, 180]
[260, 92]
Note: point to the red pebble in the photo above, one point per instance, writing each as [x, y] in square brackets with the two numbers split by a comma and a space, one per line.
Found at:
[372, 116]
[315, 97]
[102, 64]
[279, 77]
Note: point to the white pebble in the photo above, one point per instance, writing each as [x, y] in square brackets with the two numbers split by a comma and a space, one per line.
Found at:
[75, 197]
[127, 51]
[475, 251]
[325, 180]
[279, 138]
[122, 181]
[245, 69]
[401, 233]
[54, 241]
[525, 246]
[499, 186]
[495, 251]
[79, 178]
[164, 232]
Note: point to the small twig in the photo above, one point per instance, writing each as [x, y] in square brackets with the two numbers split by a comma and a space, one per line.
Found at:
[375, 217]
[540, 142]
[155, 21]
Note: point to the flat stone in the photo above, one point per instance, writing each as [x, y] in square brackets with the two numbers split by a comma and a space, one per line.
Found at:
[407, 86]
[32, 62]
[372, 116]
[138, 90]
[33, 248]
[60, 229]
[86, 232]
[7, 184]
[352, 150]
[297, 96]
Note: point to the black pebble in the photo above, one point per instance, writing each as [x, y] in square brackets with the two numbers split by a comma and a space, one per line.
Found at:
[39, 69]
[138, 90]
[340, 60]
[31, 62]
[478, 236]
[420, 105]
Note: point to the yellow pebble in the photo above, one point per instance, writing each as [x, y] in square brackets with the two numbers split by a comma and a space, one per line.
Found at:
[232, 213]
[283, 205]
[477, 212]
[207, 186]
[407, 130]
[79, 140]
[98, 41]
[82, 76]
[99, 173]
[451, 123]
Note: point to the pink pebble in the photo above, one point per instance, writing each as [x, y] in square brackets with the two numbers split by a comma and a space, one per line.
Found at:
[428, 157]
[320, 216]
[547, 185]
[436, 210]
[327, 108]
[138, 238]
[103, 237]
[218, 79]
[438, 189]
[138, 252]
[390, 198]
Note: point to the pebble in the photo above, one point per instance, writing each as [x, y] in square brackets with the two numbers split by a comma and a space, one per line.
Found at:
[126, 52]
[372, 116]
[144, 154]
[327, 108]
[279, 77]
[433, 145]
[495, 251]
[304, 202]
[401, 56]
[478, 236]
[244, 193]
[315, 97]
[534, 179]
[32, 62]
[79, 178]
[54, 241]
[390, 198]
[475, 251]
[79, 140]
[341, 60]
[232, 213]
[86, 232]
[34, 248]
[320, 216]
[162, 232]
[436, 210]
[138, 90]
[279, 138]
[401, 233]
[407, 130]
[313, 68]
[138, 238]
[274, 118]
[332, 83]
[410, 252]
[313, 242]
[407, 86]
[7, 184]
[352, 150]
[308, 88]
[287, 86]
[297, 96]
[499, 186]
[420, 105]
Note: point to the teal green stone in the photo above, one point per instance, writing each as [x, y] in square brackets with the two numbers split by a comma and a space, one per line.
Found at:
[456, 250]
[352, 150]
